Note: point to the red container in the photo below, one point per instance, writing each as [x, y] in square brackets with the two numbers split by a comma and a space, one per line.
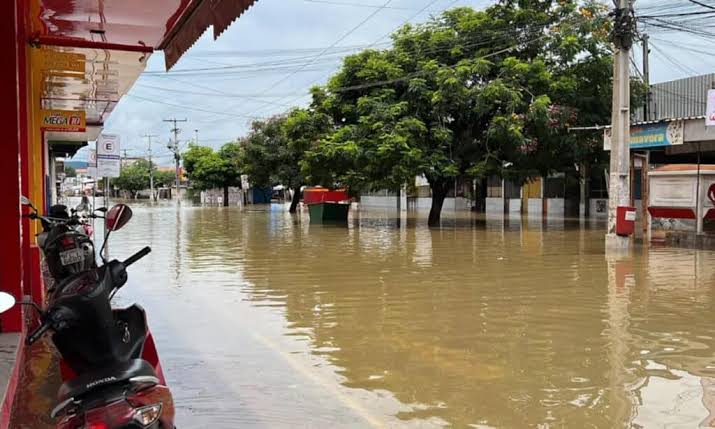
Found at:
[324, 195]
[625, 221]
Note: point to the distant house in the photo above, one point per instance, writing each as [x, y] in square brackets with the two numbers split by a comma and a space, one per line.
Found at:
[182, 173]
[129, 160]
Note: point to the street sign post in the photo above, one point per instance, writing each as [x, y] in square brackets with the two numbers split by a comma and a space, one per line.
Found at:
[108, 156]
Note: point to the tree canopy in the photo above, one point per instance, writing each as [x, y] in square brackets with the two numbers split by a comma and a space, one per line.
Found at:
[133, 178]
[208, 169]
[469, 94]
[274, 150]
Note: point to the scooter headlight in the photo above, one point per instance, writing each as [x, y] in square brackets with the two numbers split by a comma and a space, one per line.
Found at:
[146, 416]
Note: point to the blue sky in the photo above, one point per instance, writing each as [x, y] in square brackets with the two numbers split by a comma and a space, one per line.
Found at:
[276, 51]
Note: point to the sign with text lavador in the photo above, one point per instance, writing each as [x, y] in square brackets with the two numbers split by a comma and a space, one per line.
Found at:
[64, 120]
[108, 156]
[652, 135]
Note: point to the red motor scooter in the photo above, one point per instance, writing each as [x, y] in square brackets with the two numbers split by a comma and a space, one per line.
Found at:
[110, 366]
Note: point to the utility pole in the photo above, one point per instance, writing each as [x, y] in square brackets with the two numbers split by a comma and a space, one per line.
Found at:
[619, 189]
[646, 76]
[645, 159]
[151, 166]
[177, 151]
[196, 133]
[123, 160]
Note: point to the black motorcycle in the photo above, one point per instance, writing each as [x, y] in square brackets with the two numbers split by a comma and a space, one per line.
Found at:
[110, 366]
[66, 248]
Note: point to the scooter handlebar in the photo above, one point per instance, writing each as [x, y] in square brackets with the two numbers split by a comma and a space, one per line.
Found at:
[137, 256]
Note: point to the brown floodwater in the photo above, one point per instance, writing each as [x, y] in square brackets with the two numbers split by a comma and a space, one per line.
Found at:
[263, 320]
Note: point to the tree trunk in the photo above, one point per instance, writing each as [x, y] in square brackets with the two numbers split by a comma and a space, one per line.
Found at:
[296, 199]
[439, 193]
[225, 196]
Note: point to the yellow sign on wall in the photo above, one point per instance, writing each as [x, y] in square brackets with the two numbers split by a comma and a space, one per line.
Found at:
[63, 120]
[51, 60]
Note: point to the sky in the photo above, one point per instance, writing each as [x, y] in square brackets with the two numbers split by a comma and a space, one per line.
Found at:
[270, 57]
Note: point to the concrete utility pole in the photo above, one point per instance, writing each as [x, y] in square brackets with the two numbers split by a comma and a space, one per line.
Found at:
[646, 76]
[177, 151]
[619, 189]
[196, 133]
[645, 159]
[151, 166]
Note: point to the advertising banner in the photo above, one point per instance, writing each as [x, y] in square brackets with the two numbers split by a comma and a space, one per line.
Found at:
[64, 120]
[62, 62]
[651, 135]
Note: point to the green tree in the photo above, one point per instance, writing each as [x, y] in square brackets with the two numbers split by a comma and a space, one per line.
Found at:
[304, 129]
[133, 178]
[262, 151]
[70, 172]
[468, 94]
[275, 150]
[208, 169]
[192, 155]
[164, 178]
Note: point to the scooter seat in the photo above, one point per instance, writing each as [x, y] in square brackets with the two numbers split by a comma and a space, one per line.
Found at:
[117, 373]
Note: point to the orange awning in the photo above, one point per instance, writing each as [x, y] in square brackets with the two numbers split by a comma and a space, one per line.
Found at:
[192, 24]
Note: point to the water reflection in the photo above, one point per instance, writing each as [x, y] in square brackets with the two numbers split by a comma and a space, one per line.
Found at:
[489, 322]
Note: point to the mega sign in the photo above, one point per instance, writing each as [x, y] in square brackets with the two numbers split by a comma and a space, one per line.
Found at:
[64, 120]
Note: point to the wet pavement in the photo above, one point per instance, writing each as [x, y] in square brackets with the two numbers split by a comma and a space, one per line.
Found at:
[265, 321]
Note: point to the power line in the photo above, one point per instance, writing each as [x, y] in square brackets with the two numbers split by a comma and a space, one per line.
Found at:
[480, 42]
[669, 15]
[193, 108]
[206, 94]
[419, 12]
[374, 6]
[256, 67]
[335, 43]
[701, 4]
[674, 62]
[340, 39]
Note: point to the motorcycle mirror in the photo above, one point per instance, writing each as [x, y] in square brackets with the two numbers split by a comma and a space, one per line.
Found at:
[101, 209]
[7, 301]
[118, 216]
[25, 201]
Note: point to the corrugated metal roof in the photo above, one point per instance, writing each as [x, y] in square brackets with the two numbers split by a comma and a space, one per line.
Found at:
[682, 98]
[635, 124]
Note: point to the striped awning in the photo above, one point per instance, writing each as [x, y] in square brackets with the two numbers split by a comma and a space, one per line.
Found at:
[191, 25]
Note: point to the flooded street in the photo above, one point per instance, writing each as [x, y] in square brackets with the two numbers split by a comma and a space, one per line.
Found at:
[263, 320]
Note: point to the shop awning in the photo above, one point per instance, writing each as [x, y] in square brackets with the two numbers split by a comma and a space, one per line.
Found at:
[195, 20]
[132, 25]
[66, 148]
[88, 54]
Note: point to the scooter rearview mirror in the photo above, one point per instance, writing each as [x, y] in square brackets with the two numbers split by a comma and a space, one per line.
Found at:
[7, 301]
[118, 216]
[25, 201]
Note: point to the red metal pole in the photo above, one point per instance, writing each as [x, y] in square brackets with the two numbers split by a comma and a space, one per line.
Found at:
[89, 44]
[10, 215]
[23, 99]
